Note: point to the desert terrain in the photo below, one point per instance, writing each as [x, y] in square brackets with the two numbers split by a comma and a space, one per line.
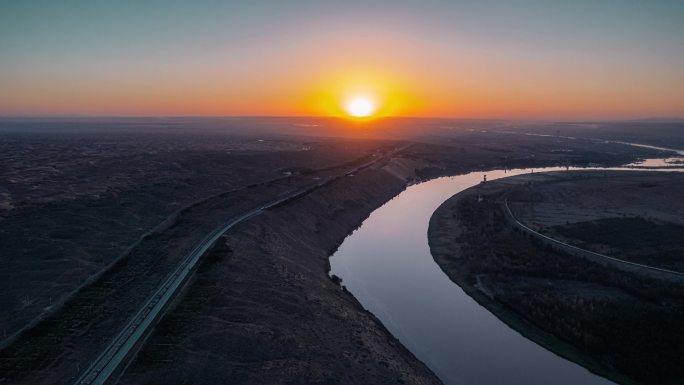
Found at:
[119, 210]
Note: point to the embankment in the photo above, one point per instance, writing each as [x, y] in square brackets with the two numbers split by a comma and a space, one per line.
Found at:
[266, 311]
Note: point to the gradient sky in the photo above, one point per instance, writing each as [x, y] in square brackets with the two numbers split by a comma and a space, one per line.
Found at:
[580, 59]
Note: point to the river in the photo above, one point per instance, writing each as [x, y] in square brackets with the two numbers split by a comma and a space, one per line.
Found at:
[386, 264]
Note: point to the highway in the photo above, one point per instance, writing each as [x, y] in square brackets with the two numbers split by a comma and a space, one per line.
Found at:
[118, 351]
[638, 267]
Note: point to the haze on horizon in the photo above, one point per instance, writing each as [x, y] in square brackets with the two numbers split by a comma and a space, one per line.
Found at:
[607, 59]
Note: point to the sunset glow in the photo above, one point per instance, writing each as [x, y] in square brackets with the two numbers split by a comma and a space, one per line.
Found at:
[214, 183]
[434, 59]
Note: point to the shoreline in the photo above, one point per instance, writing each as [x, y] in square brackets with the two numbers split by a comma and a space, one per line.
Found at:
[289, 280]
[384, 186]
[443, 249]
[520, 324]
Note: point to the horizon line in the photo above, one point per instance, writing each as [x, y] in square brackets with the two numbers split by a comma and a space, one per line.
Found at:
[343, 118]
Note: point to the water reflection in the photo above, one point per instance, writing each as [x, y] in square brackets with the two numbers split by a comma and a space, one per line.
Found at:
[388, 267]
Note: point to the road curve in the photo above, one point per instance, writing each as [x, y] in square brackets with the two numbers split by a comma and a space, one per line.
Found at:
[115, 355]
[664, 273]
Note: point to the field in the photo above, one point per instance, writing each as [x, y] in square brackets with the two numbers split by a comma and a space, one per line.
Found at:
[637, 217]
[623, 325]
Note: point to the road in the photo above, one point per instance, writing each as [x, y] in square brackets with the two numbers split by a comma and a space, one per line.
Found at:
[620, 263]
[119, 350]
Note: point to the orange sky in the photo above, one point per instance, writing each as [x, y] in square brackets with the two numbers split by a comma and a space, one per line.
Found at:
[411, 63]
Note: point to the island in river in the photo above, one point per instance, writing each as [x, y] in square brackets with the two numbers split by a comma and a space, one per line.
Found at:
[623, 323]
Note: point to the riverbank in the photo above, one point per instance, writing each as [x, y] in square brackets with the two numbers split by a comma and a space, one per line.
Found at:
[310, 229]
[598, 317]
[273, 311]
[55, 351]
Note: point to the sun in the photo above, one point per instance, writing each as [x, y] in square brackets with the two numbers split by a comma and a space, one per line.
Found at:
[360, 107]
